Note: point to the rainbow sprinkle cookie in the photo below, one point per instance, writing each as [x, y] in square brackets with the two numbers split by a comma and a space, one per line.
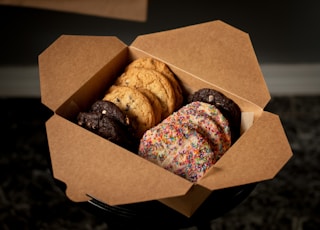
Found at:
[189, 141]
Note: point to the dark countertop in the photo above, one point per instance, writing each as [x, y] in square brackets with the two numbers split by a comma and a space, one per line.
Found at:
[31, 199]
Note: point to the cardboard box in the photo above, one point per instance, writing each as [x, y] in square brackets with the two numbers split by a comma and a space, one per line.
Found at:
[135, 10]
[76, 70]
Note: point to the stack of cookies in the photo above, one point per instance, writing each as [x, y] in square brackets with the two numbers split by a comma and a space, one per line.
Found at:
[147, 91]
[143, 95]
[195, 137]
[110, 122]
[143, 111]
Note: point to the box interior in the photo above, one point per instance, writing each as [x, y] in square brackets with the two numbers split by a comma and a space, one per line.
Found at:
[98, 84]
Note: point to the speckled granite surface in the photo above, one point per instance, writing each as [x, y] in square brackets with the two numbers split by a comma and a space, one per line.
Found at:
[30, 199]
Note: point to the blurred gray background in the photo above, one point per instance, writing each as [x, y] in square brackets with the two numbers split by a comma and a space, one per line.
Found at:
[285, 35]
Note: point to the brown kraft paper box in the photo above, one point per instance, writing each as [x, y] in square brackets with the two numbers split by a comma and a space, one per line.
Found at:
[135, 10]
[76, 70]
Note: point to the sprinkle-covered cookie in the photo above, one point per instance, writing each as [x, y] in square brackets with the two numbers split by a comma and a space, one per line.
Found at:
[189, 141]
[208, 120]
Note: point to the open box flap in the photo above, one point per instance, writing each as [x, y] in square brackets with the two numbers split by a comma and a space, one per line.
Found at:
[215, 52]
[190, 202]
[246, 163]
[61, 66]
[88, 164]
[135, 10]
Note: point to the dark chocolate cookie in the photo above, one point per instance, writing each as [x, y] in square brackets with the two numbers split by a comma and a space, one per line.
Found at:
[227, 107]
[89, 120]
[117, 133]
[111, 110]
[108, 121]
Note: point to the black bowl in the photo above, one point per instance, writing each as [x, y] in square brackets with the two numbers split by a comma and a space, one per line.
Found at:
[155, 215]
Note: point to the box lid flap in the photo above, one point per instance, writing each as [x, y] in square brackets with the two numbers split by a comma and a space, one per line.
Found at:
[89, 164]
[246, 163]
[214, 51]
[61, 67]
[135, 10]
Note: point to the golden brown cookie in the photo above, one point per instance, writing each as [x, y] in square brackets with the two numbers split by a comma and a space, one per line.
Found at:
[155, 103]
[154, 64]
[151, 80]
[135, 105]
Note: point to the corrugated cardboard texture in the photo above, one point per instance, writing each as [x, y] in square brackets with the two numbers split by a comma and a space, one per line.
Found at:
[135, 10]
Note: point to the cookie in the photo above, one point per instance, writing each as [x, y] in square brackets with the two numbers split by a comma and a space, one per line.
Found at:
[109, 109]
[155, 103]
[108, 128]
[89, 120]
[227, 107]
[208, 120]
[189, 141]
[153, 81]
[154, 64]
[115, 132]
[135, 105]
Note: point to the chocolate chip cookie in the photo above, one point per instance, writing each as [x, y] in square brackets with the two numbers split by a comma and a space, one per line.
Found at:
[154, 64]
[153, 81]
[135, 105]
[155, 103]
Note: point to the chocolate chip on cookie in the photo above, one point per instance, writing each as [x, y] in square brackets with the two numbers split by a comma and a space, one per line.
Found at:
[227, 107]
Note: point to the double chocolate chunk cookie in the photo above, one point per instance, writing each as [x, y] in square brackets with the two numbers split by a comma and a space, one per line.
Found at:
[226, 106]
[111, 110]
[108, 121]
